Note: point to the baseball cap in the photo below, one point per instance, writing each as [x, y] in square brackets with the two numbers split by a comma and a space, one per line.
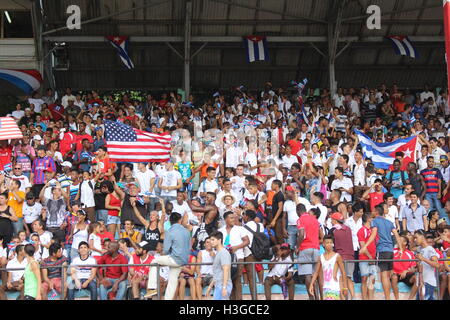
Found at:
[443, 157]
[144, 245]
[81, 211]
[285, 246]
[442, 220]
[66, 164]
[289, 188]
[337, 216]
[49, 169]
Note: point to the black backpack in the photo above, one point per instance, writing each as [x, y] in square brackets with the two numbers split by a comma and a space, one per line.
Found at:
[402, 176]
[260, 247]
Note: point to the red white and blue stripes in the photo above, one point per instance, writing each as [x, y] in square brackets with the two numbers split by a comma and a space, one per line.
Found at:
[403, 46]
[27, 80]
[256, 48]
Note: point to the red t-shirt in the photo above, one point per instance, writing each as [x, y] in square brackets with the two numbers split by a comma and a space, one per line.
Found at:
[104, 164]
[375, 198]
[295, 146]
[5, 156]
[440, 255]
[113, 272]
[66, 143]
[311, 226]
[80, 138]
[363, 235]
[105, 235]
[98, 100]
[142, 269]
[445, 245]
[399, 267]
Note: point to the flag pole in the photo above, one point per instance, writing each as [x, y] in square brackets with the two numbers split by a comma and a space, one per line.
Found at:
[446, 4]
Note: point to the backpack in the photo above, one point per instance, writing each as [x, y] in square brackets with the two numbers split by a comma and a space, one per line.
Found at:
[260, 247]
[402, 175]
[234, 267]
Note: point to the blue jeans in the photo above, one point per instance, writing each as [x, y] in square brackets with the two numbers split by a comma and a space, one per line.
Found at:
[218, 291]
[121, 290]
[436, 204]
[429, 292]
[292, 232]
[18, 226]
[92, 287]
[101, 215]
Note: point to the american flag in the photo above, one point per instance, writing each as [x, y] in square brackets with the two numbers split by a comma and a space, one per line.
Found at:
[127, 144]
[9, 129]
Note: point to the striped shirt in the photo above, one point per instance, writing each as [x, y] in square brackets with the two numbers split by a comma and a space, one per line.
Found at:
[39, 166]
[431, 177]
[73, 189]
[65, 181]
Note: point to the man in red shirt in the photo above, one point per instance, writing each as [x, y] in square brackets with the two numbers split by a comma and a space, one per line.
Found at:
[103, 234]
[113, 280]
[139, 274]
[295, 143]
[404, 271]
[374, 194]
[81, 136]
[5, 155]
[368, 270]
[307, 244]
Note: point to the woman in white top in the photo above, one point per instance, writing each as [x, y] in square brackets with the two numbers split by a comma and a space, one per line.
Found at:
[95, 242]
[79, 234]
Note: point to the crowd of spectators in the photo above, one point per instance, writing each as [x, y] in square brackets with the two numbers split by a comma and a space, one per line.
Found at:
[261, 177]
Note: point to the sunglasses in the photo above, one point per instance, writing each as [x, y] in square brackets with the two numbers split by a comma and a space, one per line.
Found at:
[17, 168]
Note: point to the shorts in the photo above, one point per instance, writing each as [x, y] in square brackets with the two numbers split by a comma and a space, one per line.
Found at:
[56, 284]
[407, 279]
[329, 294]
[112, 220]
[206, 280]
[309, 259]
[367, 269]
[385, 266]
[349, 269]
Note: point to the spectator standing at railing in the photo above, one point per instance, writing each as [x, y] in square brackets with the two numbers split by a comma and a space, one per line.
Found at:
[428, 258]
[221, 268]
[82, 277]
[32, 276]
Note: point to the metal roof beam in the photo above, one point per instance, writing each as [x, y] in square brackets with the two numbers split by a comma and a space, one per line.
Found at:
[153, 4]
[270, 11]
[214, 39]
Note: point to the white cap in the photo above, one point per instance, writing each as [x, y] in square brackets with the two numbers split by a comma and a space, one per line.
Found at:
[143, 243]
[37, 137]
[66, 164]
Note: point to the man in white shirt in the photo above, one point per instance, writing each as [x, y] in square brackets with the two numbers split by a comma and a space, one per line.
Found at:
[31, 211]
[25, 184]
[355, 223]
[237, 182]
[68, 96]
[234, 154]
[426, 94]
[342, 183]
[14, 278]
[180, 205]
[209, 184]
[359, 175]
[226, 190]
[316, 202]
[290, 210]
[169, 183]
[145, 177]
[235, 238]
[280, 272]
[18, 113]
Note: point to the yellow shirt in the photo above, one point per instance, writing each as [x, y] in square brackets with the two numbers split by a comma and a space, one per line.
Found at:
[13, 203]
[133, 237]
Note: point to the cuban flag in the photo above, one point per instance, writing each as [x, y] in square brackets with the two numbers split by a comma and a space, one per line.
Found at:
[383, 154]
[121, 45]
[27, 80]
[250, 122]
[403, 46]
[256, 48]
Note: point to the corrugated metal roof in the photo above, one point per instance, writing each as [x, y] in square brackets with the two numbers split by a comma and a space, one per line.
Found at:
[224, 65]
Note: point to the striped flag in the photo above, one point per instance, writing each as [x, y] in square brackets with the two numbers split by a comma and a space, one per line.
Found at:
[403, 46]
[27, 80]
[256, 48]
[121, 45]
[250, 122]
[9, 129]
[127, 144]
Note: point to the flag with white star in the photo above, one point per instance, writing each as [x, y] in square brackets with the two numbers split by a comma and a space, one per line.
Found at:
[121, 45]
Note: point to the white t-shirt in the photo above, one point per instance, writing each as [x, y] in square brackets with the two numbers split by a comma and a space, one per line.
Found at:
[24, 182]
[14, 263]
[345, 183]
[31, 214]
[236, 235]
[291, 209]
[144, 179]
[250, 160]
[45, 240]
[97, 244]
[323, 212]
[288, 161]
[83, 272]
[170, 179]
[208, 186]
[181, 209]
[253, 226]
[87, 194]
[237, 183]
[392, 214]
[37, 104]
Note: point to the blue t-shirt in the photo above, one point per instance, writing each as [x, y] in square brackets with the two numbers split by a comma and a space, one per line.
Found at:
[384, 229]
[396, 179]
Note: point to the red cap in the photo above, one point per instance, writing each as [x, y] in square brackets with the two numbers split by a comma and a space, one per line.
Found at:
[49, 169]
[337, 216]
[289, 188]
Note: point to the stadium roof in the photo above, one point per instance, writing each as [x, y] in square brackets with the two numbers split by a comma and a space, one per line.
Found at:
[299, 35]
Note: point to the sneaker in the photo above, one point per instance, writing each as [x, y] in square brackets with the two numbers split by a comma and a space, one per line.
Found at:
[150, 293]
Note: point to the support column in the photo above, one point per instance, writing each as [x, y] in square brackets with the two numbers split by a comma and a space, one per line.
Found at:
[187, 49]
[334, 30]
